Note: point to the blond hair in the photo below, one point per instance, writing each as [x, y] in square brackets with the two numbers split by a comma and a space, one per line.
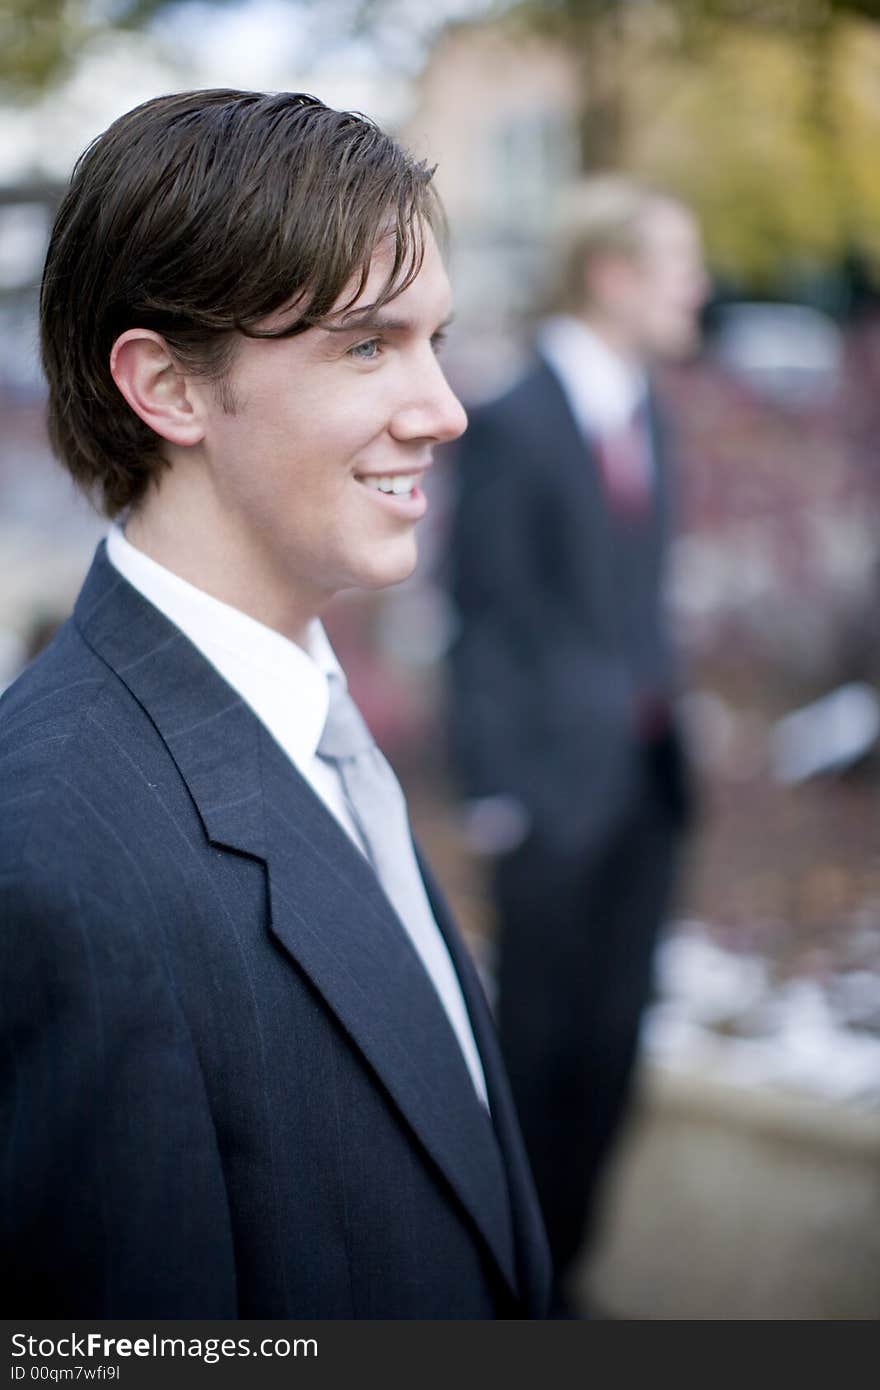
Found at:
[599, 216]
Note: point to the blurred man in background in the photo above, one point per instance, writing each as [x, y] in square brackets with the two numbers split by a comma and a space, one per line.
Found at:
[563, 679]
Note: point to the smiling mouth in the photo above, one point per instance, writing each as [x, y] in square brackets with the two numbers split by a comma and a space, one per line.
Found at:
[393, 484]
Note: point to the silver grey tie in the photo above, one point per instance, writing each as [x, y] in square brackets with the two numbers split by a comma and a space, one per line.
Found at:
[378, 810]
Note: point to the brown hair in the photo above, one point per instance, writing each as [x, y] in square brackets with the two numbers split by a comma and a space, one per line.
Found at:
[197, 215]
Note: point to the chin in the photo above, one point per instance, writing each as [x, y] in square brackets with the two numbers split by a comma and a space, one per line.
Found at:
[677, 347]
[394, 566]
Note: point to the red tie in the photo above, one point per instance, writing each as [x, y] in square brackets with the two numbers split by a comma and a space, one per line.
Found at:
[625, 466]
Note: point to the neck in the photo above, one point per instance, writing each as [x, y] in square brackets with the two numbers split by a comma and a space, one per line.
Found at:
[615, 337]
[183, 528]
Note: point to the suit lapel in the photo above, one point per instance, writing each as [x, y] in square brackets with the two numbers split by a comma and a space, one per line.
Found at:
[588, 539]
[661, 506]
[331, 915]
[571, 445]
[327, 909]
[553, 408]
[533, 1256]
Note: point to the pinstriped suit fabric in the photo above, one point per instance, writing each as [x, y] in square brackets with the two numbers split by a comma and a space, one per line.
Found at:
[204, 1108]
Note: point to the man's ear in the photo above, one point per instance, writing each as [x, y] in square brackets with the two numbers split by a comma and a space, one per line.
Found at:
[145, 372]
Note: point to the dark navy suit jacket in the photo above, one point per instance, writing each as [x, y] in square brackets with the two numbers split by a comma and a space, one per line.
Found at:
[229, 1088]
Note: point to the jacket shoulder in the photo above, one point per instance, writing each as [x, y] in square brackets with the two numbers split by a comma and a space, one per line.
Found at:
[53, 741]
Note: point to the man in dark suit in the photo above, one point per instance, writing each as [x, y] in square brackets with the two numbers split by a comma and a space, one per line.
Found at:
[563, 679]
[247, 1068]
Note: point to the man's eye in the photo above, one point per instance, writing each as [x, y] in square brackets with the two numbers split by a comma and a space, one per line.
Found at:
[367, 351]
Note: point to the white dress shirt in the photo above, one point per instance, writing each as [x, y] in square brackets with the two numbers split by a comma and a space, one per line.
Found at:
[286, 687]
[602, 388]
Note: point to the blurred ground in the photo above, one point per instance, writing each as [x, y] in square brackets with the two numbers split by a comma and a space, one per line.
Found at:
[742, 1188]
[727, 1203]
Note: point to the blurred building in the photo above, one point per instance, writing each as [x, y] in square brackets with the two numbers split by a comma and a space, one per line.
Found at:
[498, 115]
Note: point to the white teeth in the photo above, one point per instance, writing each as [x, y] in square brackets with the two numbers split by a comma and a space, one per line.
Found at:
[399, 484]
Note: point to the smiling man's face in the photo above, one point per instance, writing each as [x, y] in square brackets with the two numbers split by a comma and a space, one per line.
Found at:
[317, 472]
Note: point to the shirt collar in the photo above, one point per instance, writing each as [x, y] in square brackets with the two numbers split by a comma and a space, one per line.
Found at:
[602, 388]
[285, 684]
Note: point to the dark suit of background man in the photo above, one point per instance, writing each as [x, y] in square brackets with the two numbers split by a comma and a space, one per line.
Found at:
[247, 1069]
[563, 678]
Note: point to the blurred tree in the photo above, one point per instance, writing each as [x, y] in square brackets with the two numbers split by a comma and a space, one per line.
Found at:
[40, 40]
[763, 113]
[603, 33]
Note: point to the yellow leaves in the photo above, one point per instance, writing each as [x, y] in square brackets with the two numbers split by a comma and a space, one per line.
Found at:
[774, 137]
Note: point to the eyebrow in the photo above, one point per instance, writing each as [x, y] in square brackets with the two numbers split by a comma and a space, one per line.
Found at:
[356, 320]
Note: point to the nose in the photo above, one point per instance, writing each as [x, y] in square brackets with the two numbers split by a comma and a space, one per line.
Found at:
[430, 408]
